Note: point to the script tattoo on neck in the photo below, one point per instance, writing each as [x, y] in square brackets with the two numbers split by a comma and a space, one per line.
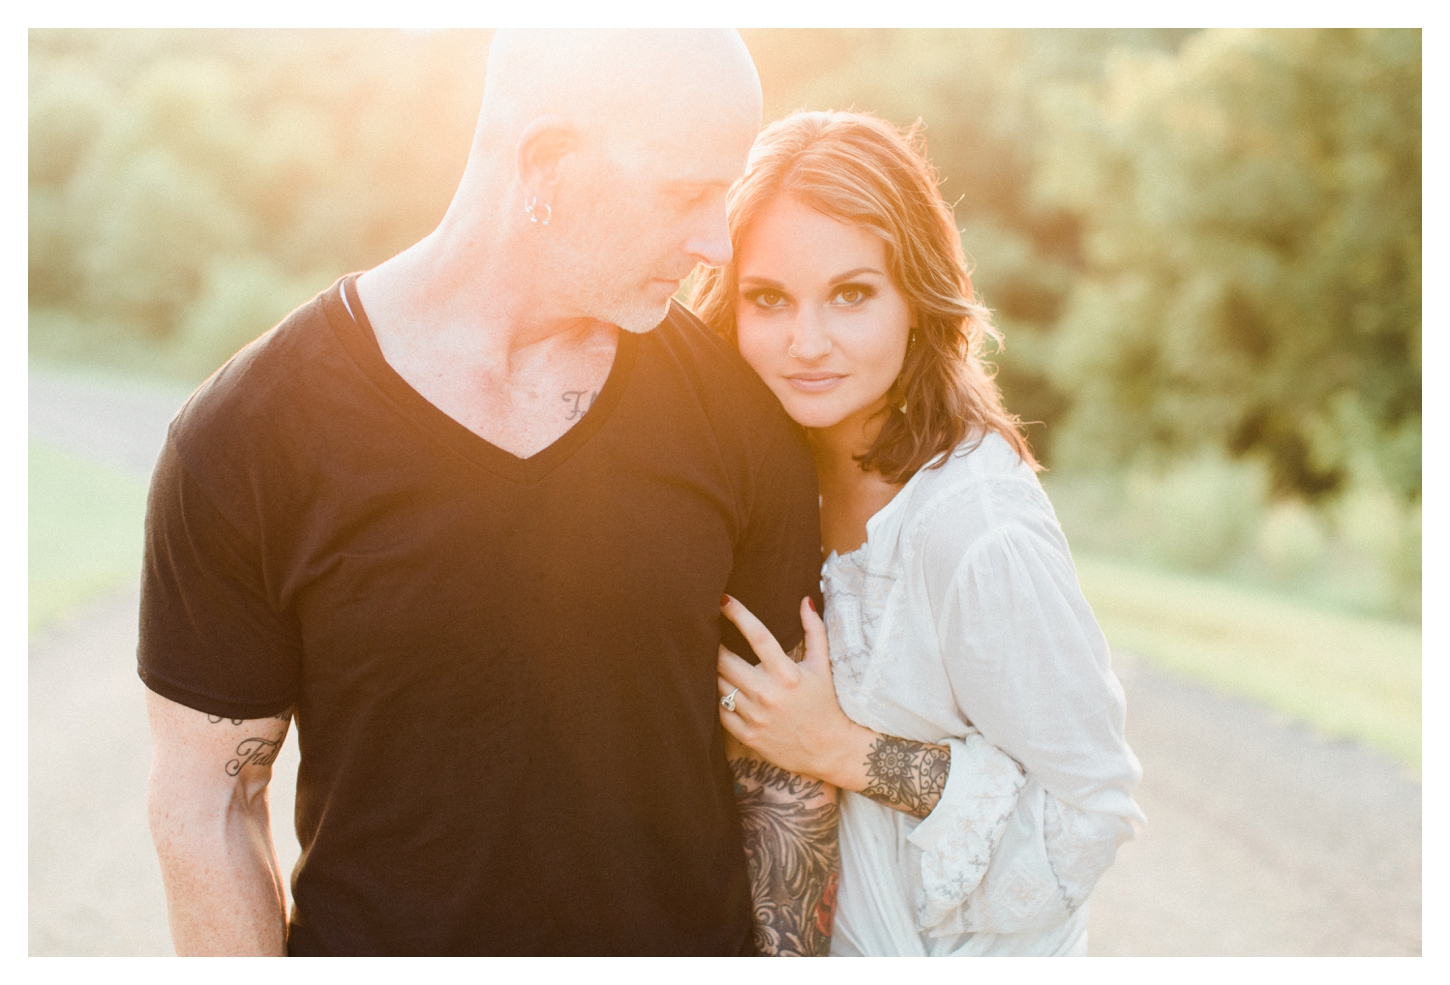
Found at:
[578, 402]
[789, 826]
[907, 775]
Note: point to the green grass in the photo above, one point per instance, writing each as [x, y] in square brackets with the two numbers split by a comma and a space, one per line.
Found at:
[85, 531]
[1349, 676]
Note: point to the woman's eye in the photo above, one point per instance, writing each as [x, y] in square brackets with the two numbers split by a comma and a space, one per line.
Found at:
[852, 294]
[766, 299]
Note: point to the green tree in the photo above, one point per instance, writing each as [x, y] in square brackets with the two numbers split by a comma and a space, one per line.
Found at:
[1251, 226]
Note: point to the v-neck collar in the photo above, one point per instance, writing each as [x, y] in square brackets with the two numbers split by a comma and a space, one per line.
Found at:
[349, 322]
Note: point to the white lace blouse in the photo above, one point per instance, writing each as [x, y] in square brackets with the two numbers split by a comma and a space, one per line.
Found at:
[960, 621]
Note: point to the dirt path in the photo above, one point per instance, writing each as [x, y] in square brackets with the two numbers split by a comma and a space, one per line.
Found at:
[1263, 839]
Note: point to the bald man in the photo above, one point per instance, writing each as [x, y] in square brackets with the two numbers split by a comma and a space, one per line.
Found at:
[468, 517]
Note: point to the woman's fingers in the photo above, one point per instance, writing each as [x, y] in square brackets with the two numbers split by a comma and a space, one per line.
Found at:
[818, 652]
[735, 670]
[735, 726]
[761, 640]
[734, 674]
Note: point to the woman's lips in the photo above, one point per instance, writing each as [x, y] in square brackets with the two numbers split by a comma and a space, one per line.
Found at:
[814, 382]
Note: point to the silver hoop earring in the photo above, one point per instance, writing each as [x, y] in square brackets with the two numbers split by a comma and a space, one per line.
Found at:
[533, 203]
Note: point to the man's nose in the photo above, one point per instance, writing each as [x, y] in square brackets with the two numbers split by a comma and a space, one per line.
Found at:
[711, 244]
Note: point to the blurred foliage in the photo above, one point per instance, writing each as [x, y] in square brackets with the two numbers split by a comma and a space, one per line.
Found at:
[1212, 514]
[189, 188]
[1203, 247]
[1251, 281]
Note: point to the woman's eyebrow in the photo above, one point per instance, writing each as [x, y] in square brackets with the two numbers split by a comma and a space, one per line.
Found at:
[760, 281]
[856, 273]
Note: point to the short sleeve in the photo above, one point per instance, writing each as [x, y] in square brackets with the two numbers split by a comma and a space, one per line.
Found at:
[209, 637]
[778, 554]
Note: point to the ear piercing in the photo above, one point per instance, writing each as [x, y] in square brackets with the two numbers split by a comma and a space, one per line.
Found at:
[532, 204]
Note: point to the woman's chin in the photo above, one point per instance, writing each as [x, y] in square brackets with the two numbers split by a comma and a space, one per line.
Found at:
[814, 417]
[821, 415]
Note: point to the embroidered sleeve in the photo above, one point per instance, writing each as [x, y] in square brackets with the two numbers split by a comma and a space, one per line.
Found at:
[958, 838]
[1080, 847]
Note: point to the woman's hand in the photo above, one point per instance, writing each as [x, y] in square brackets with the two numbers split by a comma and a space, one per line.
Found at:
[784, 710]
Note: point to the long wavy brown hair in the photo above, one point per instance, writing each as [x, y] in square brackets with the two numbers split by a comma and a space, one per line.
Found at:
[859, 169]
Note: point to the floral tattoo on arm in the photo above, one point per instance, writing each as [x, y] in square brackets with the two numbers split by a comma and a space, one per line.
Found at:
[789, 827]
[907, 775]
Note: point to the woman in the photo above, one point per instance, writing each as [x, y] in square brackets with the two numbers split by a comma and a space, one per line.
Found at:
[966, 708]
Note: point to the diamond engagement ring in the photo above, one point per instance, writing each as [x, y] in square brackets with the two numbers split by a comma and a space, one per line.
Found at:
[728, 702]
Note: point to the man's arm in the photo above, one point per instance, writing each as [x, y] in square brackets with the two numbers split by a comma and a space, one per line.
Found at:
[207, 802]
[789, 826]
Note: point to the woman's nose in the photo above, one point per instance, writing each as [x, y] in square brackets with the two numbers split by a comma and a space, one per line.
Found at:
[809, 341]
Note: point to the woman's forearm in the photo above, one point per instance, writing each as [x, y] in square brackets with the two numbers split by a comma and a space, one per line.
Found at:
[901, 773]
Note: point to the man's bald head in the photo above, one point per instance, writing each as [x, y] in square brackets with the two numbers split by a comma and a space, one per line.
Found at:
[601, 163]
[620, 87]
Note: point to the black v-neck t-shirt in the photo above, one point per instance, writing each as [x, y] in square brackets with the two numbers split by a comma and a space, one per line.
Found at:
[502, 669]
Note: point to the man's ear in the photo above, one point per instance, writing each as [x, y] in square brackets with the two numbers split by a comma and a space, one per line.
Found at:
[542, 144]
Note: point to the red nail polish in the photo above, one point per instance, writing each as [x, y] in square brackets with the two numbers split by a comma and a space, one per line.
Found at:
[724, 601]
[811, 602]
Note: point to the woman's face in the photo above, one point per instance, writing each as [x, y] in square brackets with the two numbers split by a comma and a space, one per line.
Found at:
[818, 316]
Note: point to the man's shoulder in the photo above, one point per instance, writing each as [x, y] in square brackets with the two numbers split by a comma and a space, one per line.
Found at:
[271, 378]
[716, 368]
[682, 329]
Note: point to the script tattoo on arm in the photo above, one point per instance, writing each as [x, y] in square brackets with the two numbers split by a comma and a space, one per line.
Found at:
[789, 827]
[577, 403]
[254, 750]
[281, 716]
[907, 775]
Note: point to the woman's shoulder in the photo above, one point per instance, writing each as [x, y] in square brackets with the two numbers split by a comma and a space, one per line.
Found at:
[982, 490]
[979, 464]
